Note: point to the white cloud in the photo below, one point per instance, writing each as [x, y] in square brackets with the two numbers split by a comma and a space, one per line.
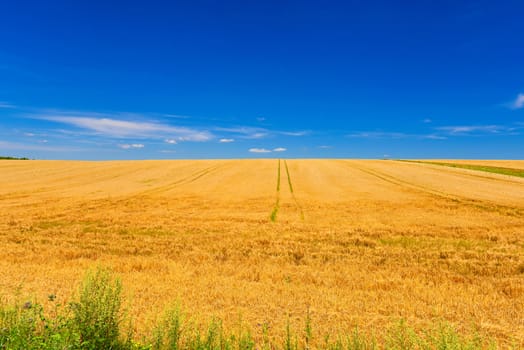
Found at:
[400, 135]
[6, 145]
[295, 133]
[426, 120]
[519, 102]
[442, 133]
[171, 141]
[246, 132]
[259, 150]
[130, 129]
[176, 116]
[258, 135]
[377, 135]
[324, 147]
[434, 137]
[226, 140]
[29, 134]
[469, 129]
[280, 149]
[131, 146]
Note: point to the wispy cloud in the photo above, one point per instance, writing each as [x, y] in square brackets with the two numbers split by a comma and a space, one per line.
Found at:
[176, 116]
[6, 105]
[295, 133]
[226, 140]
[246, 132]
[16, 146]
[122, 128]
[280, 149]
[378, 135]
[426, 120]
[259, 150]
[131, 146]
[441, 133]
[29, 134]
[475, 129]
[171, 141]
[325, 147]
[396, 135]
[434, 137]
[519, 102]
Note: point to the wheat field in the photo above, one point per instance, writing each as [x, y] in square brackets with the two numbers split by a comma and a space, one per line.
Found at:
[355, 242]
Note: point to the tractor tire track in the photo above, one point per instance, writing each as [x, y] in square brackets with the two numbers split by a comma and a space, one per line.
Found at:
[474, 203]
[184, 181]
[56, 184]
[299, 207]
[276, 207]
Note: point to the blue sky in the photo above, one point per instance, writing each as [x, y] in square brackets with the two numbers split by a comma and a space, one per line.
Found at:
[248, 79]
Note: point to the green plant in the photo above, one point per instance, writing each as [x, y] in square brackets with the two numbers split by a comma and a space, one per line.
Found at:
[96, 316]
[308, 330]
[95, 321]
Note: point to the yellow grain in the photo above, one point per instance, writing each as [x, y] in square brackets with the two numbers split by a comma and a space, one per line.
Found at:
[357, 242]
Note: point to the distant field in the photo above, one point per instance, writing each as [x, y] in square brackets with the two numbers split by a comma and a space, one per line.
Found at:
[357, 242]
[510, 168]
[515, 164]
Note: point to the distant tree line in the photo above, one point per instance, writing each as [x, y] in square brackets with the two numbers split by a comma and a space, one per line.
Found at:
[13, 158]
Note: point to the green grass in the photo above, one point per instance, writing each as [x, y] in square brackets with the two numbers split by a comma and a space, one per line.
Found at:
[95, 321]
[485, 168]
[274, 212]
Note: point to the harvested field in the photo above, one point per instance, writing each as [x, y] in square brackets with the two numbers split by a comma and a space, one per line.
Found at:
[357, 242]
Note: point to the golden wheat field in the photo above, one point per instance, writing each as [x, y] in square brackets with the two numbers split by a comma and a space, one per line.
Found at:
[357, 242]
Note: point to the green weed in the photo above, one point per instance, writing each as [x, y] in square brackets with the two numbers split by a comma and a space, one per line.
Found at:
[95, 321]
